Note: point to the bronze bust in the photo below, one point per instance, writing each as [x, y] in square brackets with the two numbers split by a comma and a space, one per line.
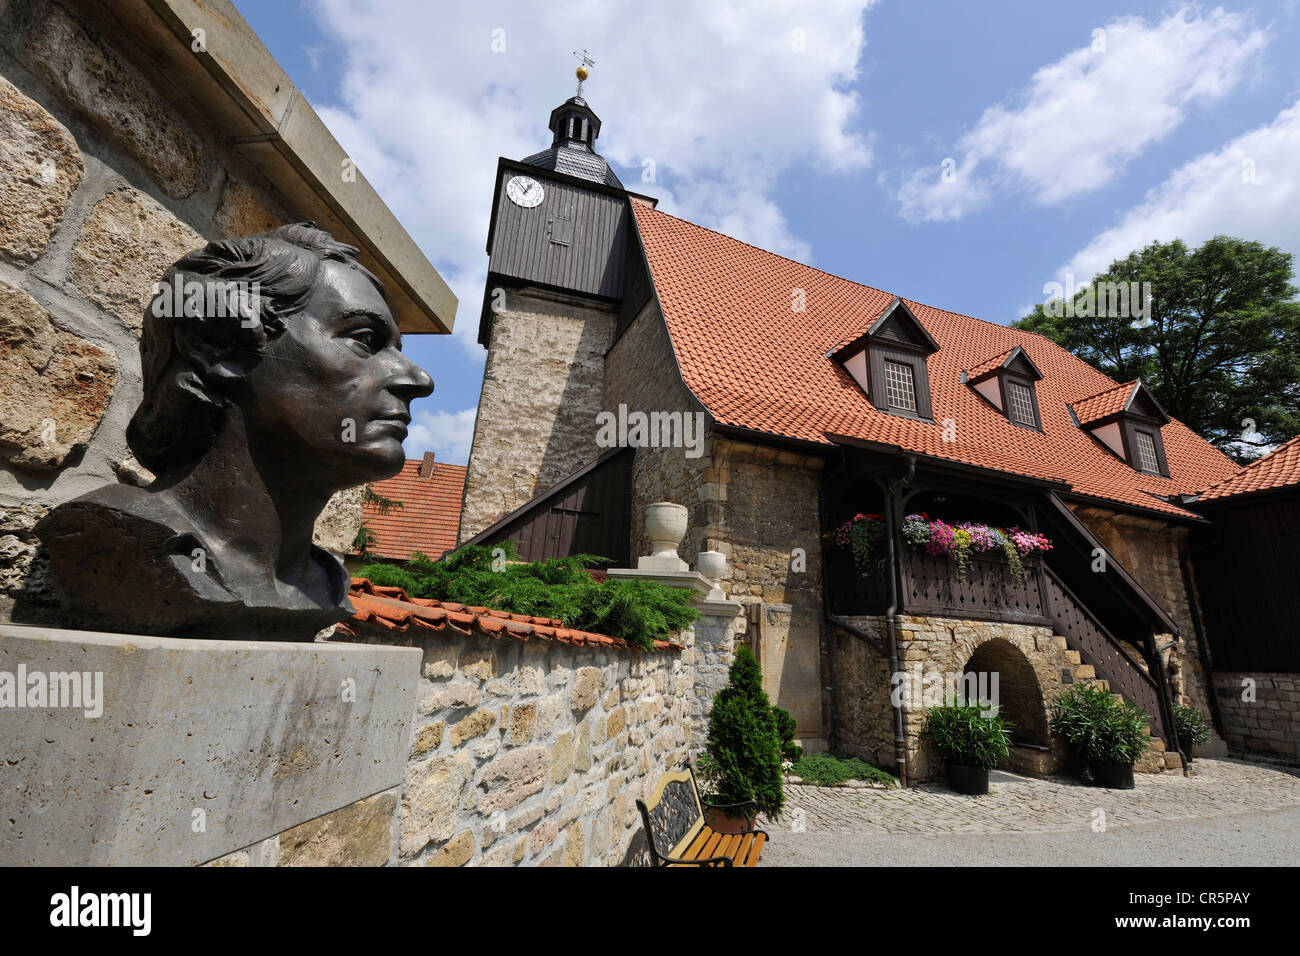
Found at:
[273, 377]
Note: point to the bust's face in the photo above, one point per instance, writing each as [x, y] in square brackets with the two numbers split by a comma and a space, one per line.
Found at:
[333, 392]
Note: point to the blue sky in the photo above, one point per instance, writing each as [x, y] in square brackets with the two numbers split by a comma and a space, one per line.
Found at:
[1073, 133]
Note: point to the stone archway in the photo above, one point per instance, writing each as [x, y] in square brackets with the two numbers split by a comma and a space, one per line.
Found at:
[1021, 698]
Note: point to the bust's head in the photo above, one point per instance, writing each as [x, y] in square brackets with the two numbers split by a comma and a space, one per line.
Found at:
[289, 332]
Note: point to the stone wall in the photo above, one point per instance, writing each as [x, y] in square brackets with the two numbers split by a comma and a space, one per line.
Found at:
[1034, 667]
[534, 753]
[1261, 712]
[105, 180]
[542, 387]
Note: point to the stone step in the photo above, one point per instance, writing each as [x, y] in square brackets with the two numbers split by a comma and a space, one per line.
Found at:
[1073, 657]
[1085, 672]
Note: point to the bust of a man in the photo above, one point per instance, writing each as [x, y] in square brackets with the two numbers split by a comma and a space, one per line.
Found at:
[273, 377]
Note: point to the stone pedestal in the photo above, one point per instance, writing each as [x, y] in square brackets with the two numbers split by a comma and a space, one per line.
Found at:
[164, 751]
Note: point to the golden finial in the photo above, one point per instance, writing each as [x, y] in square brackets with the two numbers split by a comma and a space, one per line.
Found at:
[583, 72]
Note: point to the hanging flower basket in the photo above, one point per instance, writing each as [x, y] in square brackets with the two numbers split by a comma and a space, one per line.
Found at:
[960, 541]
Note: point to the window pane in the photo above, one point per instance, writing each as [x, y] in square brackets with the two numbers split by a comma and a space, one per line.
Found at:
[1146, 453]
[899, 390]
[1021, 400]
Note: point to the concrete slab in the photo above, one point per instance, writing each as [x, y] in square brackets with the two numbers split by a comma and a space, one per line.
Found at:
[180, 751]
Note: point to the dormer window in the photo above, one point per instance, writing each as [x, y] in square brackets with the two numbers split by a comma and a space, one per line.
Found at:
[1127, 420]
[1145, 446]
[900, 390]
[888, 362]
[1006, 381]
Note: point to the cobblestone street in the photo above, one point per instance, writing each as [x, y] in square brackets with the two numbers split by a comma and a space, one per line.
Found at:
[820, 825]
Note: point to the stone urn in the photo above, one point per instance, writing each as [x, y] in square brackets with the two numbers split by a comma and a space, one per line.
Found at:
[711, 564]
[665, 526]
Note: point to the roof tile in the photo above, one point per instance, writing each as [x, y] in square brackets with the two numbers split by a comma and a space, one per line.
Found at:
[727, 308]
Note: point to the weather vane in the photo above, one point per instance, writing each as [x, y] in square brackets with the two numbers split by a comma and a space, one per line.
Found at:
[583, 70]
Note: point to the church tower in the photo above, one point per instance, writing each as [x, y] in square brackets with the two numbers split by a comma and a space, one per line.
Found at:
[563, 251]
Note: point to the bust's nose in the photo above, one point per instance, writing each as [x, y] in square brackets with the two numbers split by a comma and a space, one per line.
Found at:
[409, 381]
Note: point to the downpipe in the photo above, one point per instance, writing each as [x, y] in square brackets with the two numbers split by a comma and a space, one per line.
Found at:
[891, 617]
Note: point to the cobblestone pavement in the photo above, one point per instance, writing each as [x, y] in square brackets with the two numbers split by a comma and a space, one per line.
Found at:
[1022, 805]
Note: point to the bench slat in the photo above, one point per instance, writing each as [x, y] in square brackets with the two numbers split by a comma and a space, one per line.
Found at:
[750, 858]
[693, 852]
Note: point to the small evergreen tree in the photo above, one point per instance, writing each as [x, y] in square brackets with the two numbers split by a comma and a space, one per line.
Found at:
[742, 760]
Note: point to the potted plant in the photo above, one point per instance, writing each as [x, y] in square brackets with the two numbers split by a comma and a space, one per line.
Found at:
[741, 765]
[1192, 728]
[1107, 731]
[971, 739]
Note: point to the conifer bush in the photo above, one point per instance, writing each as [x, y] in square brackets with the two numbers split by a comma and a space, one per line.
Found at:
[742, 760]
[639, 612]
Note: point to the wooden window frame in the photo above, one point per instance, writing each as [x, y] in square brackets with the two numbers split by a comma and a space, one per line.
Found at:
[878, 353]
[1130, 425]
[1005, 380]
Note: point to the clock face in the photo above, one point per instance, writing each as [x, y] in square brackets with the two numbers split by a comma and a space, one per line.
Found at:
[524, 191]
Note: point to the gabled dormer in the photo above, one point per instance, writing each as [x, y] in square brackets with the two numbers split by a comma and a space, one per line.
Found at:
[1127, 420]
[1007, 382]
[888, 362]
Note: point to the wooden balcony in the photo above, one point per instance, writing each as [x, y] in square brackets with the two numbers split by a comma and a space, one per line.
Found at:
[931, 586]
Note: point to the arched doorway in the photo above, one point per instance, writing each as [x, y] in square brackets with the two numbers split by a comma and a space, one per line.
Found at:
[1020, 698]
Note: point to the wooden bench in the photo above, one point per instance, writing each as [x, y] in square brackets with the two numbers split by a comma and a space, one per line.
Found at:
[678, 834]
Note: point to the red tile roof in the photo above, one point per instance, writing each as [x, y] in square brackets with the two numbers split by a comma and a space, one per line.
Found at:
[990, 364]
[429, 519]
[393, 609]
[757, 365]
[1106, 402]
[1280, 468]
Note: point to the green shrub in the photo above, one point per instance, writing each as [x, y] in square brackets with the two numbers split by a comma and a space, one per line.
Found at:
[1191, 726]
[639, 612]
[1099, 725]
[826, 770]
[963, 734]
[785, 730]
[742, 760]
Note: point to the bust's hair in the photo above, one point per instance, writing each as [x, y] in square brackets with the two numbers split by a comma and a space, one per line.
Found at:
[249, 288]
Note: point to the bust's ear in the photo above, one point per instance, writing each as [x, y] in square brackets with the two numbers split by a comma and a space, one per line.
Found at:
[221, 351]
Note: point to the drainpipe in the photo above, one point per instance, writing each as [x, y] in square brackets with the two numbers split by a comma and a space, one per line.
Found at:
[891, 619]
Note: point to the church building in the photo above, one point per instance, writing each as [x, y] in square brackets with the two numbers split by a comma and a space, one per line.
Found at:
[823, 401]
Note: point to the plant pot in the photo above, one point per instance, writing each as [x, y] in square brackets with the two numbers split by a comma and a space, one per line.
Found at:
[969, 780]
[1114, 776]
[721, 822]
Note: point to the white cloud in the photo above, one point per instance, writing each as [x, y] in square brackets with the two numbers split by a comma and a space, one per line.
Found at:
[723, 106]
[1250, 188]
[1080, 120]
[447, 434]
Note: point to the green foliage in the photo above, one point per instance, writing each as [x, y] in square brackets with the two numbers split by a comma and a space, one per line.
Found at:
[742, 760]
[963, 734]
[826, 770]
[1223, 343]
[785, 730]
[366, 537]
[1100, 725]
[1191, 726]
[491, 576]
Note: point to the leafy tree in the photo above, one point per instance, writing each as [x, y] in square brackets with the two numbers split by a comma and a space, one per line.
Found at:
[1220, 343]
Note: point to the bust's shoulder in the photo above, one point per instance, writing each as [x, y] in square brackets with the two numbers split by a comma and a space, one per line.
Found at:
[120, 506]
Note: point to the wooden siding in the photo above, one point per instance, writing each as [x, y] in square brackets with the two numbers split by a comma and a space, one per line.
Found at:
[587, 514]
[1248, 579]
[575, 239]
